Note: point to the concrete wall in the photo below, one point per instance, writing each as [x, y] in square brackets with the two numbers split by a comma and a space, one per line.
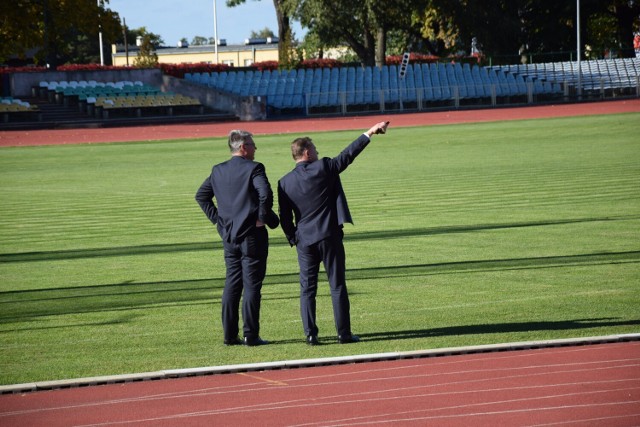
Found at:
[247, 108]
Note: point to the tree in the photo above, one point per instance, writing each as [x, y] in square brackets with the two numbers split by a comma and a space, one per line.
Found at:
[147, 56]
[338, 23]
[262, 34]
[626, 14]
[53, 28]
[363, 26]
[284, 10]
[199, 41]
[133, 33]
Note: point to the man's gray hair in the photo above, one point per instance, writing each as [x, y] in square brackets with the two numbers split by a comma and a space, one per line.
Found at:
[237, 138]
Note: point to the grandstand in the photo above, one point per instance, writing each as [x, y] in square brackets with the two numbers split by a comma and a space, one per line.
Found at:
[251, 94]
[47, 100]
[127, 98]
[597, 76]
[436, 85]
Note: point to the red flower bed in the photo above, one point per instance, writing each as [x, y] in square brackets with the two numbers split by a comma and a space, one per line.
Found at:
[91, 67]
[179, 70]
[66, 67]
[320, 63]
[265, 65]
[414, 58]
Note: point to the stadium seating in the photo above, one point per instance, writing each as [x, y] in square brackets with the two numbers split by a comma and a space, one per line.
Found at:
[126, 97]
[422, 85]
[594, 75]
[14, 108]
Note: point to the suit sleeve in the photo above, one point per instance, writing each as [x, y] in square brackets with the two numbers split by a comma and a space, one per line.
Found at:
[286, 216]
[346, 157]
[204, 197]
[265, 197]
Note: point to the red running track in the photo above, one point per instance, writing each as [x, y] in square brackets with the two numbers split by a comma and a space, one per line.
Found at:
[593, 385]
[208, 130]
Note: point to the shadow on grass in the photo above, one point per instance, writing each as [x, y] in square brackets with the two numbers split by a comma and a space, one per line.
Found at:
[28, 304]
[495, 265]
[280, 241]
[498, 328]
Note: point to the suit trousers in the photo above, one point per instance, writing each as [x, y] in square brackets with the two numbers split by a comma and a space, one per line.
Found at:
[330, 252]
[246, 264]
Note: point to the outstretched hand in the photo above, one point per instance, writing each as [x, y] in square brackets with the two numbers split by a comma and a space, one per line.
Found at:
[378, 128]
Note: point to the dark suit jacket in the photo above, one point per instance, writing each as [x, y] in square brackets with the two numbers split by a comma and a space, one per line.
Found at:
[243, 195]
[312, 195]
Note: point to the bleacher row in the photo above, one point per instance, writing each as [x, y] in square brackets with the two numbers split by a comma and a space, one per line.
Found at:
[9, 103]
[99, 98]
[10, 106]
[372, 85]
[596, 74]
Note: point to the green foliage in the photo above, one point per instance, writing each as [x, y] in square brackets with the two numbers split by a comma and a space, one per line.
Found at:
[467, 234]
[154, 40]
[286, 51]
[198, 41]
[53, 28]
[147, 56]
[262, 34]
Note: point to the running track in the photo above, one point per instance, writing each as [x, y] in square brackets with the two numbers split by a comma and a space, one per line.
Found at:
[583, 385]
[207, 130]
[592, 385]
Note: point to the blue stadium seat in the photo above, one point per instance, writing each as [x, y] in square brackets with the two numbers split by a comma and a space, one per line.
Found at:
[220, 81]
[254, 85]
[427, 84]
[368, 85]
[293, 91]
[229, 82]
[438, 93]
[342, 83]
[334, 83]
[263, 86]
[393, 95]
[360, 86]
[408, 86]
[316, 87]
[351, 86]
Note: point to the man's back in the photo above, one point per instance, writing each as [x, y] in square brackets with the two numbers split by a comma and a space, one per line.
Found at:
[241, 190]
[313, 192]
[310, 191]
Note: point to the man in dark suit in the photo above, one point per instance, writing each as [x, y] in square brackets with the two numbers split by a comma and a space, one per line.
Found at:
[313, 209]
[244, 205]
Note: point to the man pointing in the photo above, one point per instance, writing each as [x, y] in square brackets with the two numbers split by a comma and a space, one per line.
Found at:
[313, 209]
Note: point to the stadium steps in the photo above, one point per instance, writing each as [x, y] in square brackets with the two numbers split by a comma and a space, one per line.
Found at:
[59, 116]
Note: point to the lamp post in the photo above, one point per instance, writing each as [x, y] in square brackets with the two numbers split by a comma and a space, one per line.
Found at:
[578, 48]
[215, 31]
[100, 32]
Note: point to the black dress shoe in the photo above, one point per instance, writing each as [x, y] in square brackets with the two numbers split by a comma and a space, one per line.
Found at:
[252, 342]
[312, 340]
[348, 339]
[234, 341]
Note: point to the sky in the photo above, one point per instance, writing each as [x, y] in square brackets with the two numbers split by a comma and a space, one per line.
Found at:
[177, 19]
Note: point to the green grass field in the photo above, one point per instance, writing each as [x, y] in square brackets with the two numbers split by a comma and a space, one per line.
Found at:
[465, 234]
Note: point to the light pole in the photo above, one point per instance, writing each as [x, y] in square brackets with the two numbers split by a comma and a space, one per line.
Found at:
[100, 33]
[215, 30]
[578, 48]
